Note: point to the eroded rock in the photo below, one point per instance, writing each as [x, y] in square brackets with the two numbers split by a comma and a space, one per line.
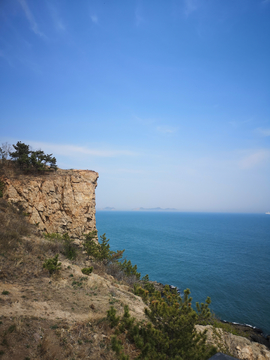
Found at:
[237, 346]
[57, 203]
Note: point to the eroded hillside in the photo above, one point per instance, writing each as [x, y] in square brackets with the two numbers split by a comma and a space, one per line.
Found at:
[59, 316]
[64, 315]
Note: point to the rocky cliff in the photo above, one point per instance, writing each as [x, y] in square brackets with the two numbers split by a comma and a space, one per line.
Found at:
[60, 202]
[238, 346]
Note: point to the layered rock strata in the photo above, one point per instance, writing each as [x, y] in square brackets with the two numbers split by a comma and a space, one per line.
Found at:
[57, 203]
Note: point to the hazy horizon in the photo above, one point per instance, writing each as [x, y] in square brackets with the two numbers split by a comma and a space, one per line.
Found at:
[168, 101]
[183, 211]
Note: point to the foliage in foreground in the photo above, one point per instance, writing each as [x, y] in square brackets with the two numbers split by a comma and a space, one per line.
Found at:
[52, 265]
[170, 334]
[87, 270]
[69, 249]
[100, 250]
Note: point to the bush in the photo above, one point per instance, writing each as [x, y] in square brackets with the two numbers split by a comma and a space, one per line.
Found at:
[52, 265]
[171, 333]
[66, 246]
[70, 250]
[111, 316]
[100, 251]
[53, 236]
[87, 270]
[130, 270]
[115, 270]
[90, 244]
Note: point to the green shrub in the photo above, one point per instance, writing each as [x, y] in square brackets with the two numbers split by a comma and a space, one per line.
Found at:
[116, 345]
[171, 333]
[53, 236]
[90, 245]
[70, 250]
[100, 250]
[52, 265]
[129, 270]
[87, 270]
[145, 278]
[111, 316]
[68, 247]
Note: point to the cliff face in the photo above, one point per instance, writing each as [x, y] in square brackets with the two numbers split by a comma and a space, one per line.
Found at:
[60, 202]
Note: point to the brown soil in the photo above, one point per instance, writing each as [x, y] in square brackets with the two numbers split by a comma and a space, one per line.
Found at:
[62, 316]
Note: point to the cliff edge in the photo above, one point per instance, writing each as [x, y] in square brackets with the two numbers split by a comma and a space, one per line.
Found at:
[58, 202]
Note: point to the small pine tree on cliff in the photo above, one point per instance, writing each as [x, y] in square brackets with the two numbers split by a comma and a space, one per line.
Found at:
[171, 334]
[32, 160]
[21, 155]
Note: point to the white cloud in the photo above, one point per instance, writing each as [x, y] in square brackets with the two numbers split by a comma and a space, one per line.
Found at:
[72, 150]
[166, 130]
[30, 18]
[239, 123]
[94, 19]
[255, 158]
[190, 6]
[138, 17]
[58, 22]
[263, 132]
[152, 123]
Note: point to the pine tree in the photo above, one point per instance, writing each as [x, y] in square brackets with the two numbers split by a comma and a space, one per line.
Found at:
[32, 160]
[21, 155]
[171, 333]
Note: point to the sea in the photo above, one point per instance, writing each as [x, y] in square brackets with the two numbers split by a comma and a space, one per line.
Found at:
[224, 256]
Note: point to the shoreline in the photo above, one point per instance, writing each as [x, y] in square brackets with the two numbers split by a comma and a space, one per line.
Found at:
[253, 333]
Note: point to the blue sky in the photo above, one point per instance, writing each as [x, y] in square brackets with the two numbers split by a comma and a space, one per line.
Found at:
[169, 101]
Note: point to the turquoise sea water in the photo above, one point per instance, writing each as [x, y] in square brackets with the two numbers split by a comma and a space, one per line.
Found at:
[224, 256]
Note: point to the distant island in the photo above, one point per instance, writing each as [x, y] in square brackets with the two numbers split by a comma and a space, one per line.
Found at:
[154, 209]
[107, 208]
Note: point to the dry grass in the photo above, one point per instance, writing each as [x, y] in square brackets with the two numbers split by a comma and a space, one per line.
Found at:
[50, 340]
[13, 226]
[53, 317]
[10, 169]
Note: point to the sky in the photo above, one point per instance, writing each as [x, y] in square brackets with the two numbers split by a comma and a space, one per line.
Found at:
[168, 100]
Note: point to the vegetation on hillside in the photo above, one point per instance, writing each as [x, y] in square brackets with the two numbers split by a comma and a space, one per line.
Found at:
[13, 226]
[26, 159]
[170, 333]
[85, 302]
